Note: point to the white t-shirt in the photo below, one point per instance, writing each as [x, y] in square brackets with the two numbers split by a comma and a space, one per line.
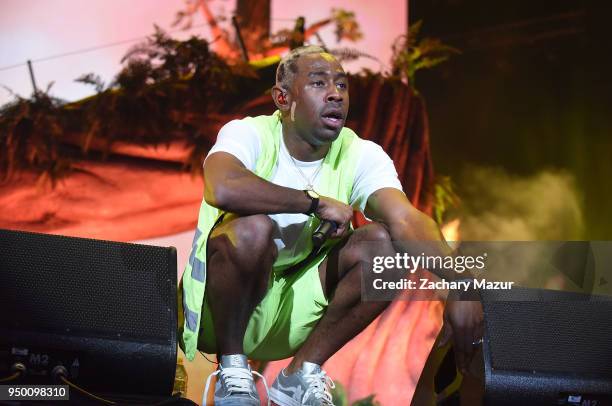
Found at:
[375, 170]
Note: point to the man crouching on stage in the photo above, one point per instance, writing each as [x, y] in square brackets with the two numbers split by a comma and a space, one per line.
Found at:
[269, 181]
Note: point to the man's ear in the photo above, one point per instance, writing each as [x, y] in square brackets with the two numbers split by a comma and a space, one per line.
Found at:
[281, 98]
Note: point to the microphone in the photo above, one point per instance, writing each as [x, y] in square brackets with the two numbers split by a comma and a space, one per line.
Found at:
[321, 234]
[325, 229]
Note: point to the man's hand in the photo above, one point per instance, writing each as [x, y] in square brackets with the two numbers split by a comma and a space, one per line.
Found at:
[463, 322]
[336, 211]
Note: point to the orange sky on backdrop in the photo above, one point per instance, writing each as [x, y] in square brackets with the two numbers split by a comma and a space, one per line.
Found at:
[33, 29]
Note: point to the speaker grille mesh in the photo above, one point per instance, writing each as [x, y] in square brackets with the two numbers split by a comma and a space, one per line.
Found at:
[572, 336]
[75, 285]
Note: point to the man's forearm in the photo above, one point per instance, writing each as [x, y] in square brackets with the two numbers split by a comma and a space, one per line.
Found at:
[245, 193]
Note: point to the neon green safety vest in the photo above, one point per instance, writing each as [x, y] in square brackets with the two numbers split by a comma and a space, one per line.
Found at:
[336, 181]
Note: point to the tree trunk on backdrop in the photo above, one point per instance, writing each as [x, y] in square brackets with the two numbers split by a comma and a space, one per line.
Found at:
[254, 20]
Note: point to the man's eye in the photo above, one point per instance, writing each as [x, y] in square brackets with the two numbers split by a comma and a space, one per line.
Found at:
[318, 83]
[341, 85]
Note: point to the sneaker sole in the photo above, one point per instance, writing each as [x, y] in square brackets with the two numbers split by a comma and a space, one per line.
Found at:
[233, 402]
[281, 399]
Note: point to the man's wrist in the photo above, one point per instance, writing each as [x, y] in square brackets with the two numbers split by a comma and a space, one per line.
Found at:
[314, 201]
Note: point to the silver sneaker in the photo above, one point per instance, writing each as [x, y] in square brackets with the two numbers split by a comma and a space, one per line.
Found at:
[309, 386]
[235, 385]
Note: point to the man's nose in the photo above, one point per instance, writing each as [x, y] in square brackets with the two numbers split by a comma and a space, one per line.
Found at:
[334, 95]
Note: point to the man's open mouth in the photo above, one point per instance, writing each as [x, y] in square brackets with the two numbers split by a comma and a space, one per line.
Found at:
[333, 118]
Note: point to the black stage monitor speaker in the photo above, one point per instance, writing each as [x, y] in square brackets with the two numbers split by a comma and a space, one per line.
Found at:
[105, 311]
[544, 347]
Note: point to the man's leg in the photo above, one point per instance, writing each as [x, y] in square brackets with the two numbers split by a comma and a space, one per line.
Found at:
[240, 257]
[346, 314]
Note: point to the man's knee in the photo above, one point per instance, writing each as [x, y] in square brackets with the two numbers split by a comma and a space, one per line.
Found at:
[374, 232]
[254, 231]
[251, 235]
[369, 241]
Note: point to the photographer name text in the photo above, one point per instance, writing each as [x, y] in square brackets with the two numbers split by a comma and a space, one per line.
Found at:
[427, 284]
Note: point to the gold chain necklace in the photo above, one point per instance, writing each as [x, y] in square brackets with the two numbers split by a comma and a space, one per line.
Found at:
[309, 181]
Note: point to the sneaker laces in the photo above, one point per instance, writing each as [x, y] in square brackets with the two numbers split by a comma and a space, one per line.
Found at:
[237, 380]
[319, 385]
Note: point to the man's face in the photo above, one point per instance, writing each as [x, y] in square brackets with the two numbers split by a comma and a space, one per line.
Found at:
[320, 91]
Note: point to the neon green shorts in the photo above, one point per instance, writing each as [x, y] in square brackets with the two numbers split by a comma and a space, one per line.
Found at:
[283, 319]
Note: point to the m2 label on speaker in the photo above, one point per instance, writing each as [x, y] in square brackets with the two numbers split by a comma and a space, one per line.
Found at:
[39, 359]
